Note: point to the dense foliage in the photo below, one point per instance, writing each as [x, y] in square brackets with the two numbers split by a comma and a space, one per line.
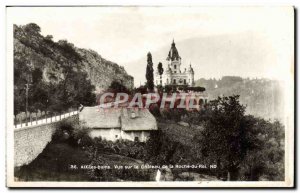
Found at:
[242, 146]
[160, 71]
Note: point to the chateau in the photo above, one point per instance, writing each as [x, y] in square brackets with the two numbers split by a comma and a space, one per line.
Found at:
[173, 75]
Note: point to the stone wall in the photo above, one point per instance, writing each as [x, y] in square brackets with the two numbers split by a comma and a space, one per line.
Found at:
[29, 142]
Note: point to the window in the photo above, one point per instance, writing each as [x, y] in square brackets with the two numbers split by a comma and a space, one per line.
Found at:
[116, 136]
[201, 102]
[175, 67]
[160, 81]
[184, 81]
[174, 81]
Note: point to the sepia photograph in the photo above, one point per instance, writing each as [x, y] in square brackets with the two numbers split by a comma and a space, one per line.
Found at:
[162, 96]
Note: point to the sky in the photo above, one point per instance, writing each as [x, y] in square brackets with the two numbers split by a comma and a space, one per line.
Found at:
[125, 34]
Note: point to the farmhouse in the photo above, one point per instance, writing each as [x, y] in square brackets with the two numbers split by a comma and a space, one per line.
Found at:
[113, 124]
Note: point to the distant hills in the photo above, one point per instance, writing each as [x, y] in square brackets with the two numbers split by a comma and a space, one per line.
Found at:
[222, 55]
[214, 56]
[263, 97]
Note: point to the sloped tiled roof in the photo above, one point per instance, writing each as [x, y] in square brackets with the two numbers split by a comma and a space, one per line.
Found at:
[173, 53]
[95, 117]
[143, 121]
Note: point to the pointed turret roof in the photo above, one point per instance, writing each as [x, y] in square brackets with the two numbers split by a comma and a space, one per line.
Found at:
[173, 53]
[191, 70]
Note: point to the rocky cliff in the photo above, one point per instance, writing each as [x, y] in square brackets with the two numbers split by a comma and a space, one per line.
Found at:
[102, 72]
[32, 48]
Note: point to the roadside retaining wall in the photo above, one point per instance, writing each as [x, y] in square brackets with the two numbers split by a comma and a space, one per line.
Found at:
[29, 142]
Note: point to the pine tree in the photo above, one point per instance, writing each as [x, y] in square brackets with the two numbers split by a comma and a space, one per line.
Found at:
[149, 72]
[160, 69]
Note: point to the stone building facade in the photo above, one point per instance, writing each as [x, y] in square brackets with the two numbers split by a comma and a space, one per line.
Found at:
[172, 74]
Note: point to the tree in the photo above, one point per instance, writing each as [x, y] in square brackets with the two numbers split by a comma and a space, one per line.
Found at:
[225, 135]
[32, 28]
[149, 72]
[266, 155]
[160, 69]
[116, 87]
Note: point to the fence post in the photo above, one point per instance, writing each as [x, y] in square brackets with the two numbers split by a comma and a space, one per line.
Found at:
[60, 116]
[30, 119]
[36, 118]
[46, 116]
[55, 116]
[42, 117]
[20, 122]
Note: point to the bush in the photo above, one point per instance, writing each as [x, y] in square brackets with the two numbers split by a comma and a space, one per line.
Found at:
[63, 131]
[155, 110]
[72, 133]
[173, 114]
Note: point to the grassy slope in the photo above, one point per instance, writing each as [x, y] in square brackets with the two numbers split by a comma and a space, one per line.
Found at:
[53, 164]
[178, 133]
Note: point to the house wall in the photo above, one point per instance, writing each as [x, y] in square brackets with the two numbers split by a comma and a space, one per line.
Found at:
[110, 134]
[113, 134]
[130, 135]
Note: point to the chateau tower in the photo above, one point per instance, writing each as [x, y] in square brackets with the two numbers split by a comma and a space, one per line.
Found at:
[174, 59]
[172, 72]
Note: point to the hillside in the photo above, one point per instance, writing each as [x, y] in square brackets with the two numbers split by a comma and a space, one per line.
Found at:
[46, 54]
[59, 74]
[263, 97]
[102, 72]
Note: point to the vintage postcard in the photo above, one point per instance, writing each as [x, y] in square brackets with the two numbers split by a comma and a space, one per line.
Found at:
[163, 96]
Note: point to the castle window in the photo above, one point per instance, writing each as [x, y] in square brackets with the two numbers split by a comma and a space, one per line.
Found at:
[184, 81]
[160, 81]
[174, 81]
[174, 66]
